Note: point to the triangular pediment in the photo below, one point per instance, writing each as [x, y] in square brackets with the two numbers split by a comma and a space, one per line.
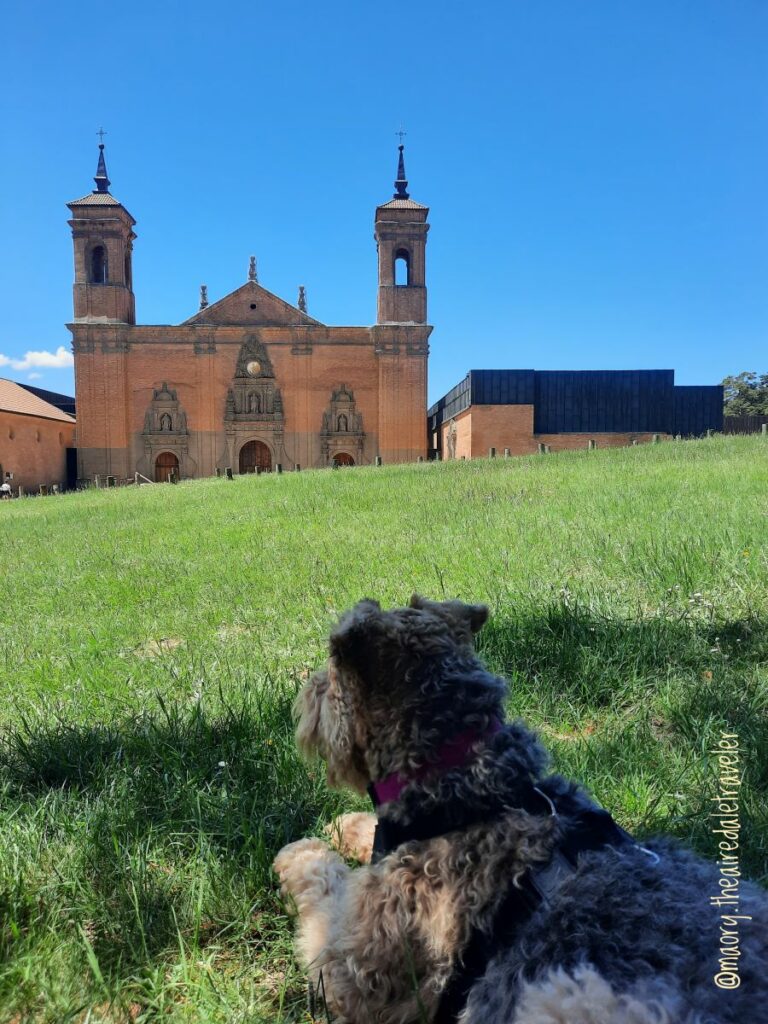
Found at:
[252, 306]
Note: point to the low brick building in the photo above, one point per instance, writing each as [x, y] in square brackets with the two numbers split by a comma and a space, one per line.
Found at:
[566, 409]
[35, 436]
[250, 380]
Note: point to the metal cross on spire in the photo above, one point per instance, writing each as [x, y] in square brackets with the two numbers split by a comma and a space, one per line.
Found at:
[401, 183]
[101, 179]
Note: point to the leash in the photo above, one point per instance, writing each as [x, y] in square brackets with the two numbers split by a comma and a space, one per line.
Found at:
[589, 829]
[592, 830]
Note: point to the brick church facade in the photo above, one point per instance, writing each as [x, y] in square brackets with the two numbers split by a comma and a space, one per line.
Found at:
[249, 381]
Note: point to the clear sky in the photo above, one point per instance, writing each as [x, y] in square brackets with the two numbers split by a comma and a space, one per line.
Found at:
[597, 170]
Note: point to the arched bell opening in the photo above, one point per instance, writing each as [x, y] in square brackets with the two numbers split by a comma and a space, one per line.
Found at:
[99, 270]
[402, 268]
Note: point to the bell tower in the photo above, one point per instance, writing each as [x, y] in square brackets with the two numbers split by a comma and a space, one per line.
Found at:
[401, 239]
[102, 234]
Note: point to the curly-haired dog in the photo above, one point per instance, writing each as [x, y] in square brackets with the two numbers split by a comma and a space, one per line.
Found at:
[498, 894]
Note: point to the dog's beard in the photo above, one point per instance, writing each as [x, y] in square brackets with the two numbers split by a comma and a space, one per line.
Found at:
[328, 727]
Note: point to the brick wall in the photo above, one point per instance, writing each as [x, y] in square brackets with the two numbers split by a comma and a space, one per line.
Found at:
[481, 427]
[118, 366]
[34, 449]
[492, 426]
[572, 442]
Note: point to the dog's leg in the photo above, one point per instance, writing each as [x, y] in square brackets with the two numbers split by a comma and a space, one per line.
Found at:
[312, 876]
[352, 835]
[372, 932]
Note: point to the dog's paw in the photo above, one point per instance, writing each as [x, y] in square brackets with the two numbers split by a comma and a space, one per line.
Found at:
[307, 866]
[292, 857]
[352, 835]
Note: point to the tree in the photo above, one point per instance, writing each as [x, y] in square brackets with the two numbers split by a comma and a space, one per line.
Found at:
[746, 394]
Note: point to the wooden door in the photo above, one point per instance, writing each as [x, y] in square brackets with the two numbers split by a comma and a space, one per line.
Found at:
[165, 464]
[255, 456]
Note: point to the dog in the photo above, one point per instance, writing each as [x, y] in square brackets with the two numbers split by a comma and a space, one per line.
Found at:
[491, 892]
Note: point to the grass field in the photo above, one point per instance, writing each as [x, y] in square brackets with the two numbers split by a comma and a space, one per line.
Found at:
[152, 642]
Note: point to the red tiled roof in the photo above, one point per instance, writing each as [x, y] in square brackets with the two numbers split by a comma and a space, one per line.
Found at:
[96, 199]
[15, 398]
[402, 204]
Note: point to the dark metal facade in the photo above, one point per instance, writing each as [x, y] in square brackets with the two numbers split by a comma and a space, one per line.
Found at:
[743, 424]
[63, 402]
[697, 410]
[503, 387]
[590, 401]
[603, 401]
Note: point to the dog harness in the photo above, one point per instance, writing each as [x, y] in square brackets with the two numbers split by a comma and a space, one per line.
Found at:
[588, 829]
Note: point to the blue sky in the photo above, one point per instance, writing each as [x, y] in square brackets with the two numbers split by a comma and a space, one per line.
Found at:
[596, 171]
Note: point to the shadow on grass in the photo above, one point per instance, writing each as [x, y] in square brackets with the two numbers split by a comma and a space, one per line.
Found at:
[167, 822]
[654, 696]
[175, 814]
[596, 659]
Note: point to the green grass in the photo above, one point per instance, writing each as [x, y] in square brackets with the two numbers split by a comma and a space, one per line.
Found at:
[152, 641]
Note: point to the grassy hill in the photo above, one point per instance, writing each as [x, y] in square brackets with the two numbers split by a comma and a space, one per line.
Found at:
[152, 641]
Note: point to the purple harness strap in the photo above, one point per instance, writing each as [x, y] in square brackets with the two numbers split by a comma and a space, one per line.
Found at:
[453, 754]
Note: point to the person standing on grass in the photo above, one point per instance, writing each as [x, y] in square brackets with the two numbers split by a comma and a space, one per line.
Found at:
[5, 489]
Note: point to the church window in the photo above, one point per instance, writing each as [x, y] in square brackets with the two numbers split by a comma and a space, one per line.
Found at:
[341, 423]
[128, 281]
[402, 267]
[166, 423]
[99, 274]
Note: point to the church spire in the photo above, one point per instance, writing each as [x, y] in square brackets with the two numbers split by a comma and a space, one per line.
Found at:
[101, 179]
[401, 184]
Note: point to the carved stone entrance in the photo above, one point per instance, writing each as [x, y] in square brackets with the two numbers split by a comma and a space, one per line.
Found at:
[254, 455]
[254, 407]
[166, 434]
[342, 431]
[165, 464]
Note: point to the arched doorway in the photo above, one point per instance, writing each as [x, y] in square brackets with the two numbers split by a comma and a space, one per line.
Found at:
[343, 459]
[165, 464]
[255, 456]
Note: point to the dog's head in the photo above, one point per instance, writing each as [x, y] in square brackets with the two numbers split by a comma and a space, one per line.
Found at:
[397, 684]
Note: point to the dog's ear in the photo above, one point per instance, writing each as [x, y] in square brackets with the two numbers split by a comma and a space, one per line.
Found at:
[455, 613]
[351, 639]
[477, 616]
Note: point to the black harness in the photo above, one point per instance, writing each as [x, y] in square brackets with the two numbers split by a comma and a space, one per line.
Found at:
[586, 829]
